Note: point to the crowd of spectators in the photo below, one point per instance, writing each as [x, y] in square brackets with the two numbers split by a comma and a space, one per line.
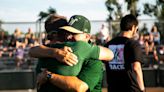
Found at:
[16, 46]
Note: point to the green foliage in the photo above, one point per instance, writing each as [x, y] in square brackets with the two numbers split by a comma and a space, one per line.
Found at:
[111, 4]
[43, 14]
[115, 9]
[162, 12]
[130, 3]
[51, 10]
[155, 10]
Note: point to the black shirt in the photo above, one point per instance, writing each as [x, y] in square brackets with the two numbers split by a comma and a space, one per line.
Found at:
[120, 74]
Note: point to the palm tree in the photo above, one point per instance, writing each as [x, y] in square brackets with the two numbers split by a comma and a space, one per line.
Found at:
[42, 15]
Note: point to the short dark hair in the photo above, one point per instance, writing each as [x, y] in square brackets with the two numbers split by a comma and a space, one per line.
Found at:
[127, 22]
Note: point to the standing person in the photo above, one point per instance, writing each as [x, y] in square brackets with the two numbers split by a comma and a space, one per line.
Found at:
[124, 72]
[104, 34]
[81, 33]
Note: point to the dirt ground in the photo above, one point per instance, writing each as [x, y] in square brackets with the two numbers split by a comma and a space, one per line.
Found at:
[155, 89]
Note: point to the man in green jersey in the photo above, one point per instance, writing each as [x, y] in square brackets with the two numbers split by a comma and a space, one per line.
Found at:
[83, 50]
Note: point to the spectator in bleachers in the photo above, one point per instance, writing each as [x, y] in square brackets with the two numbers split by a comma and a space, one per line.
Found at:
[17, 34]
[1, 51]
[149, 43]
[93, 39]
[3, 39]
[141, 40]
[17, 38]
[30, 37]
[156, 35]
[30, 41]
[12, 42]
[19, 56]
[144, 30]
[43, 39]
[3, 43]
[11, 46]
[150, 50]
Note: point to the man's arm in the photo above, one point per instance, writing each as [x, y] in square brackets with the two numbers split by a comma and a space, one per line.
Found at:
[139, 75]
[64, 55]
[85, 80]
[93, 51]
[41, 51]
[67, 83]
[105, 54]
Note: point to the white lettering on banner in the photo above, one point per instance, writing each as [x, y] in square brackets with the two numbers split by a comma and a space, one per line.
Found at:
[73, 21]
[116, 67]
[118, 61]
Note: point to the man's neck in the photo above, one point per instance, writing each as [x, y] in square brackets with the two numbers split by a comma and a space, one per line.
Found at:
[125, 34]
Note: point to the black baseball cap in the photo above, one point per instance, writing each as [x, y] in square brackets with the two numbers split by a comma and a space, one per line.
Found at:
[54, 22]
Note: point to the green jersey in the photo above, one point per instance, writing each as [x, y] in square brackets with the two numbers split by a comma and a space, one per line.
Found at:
[83, 50]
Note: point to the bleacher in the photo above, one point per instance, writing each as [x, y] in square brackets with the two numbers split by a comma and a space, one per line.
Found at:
[7, 61]
[24, 77]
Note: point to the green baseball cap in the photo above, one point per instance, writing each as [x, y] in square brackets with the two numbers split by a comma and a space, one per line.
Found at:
[78, 24]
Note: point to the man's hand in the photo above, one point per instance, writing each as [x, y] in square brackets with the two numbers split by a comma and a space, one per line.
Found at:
[66, 56]
[63, 55]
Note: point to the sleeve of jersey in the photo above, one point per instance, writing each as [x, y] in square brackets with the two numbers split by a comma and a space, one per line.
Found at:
[94, 51]
[136, 52]
[86, 50]
[92, 74]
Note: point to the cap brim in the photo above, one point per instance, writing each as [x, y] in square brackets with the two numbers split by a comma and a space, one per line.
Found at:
[71, 29]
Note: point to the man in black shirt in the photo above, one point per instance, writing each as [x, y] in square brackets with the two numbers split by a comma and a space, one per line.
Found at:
[124, 73]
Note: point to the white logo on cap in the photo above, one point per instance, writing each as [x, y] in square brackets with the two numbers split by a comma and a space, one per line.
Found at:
[85, 30]
[73, 21]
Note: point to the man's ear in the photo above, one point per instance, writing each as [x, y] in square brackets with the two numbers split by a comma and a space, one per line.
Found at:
[134, 29]
[69, 37]
[88, 36]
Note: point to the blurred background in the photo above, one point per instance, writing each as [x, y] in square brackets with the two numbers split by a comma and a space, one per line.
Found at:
[22, 27]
